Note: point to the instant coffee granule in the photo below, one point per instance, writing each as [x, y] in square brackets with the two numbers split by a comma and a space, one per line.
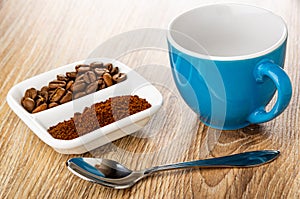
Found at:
[98, 115]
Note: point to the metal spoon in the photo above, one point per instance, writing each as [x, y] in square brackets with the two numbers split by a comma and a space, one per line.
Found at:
[113, 174]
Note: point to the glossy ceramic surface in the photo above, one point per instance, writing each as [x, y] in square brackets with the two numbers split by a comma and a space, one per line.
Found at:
[229, 79]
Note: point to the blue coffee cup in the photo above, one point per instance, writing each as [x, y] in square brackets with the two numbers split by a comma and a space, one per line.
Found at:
[227, 62]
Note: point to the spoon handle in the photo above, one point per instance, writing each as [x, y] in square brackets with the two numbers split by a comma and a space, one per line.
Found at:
[247, 159]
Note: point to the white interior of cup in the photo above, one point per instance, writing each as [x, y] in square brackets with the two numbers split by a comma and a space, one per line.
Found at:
[227, 31]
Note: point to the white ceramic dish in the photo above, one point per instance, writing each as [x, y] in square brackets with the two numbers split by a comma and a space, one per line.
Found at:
[135, 84]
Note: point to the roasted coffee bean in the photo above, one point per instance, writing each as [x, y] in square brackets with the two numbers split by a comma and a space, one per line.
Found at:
[100, 81]
[56, 84]
[52, 104]
[69, 85]
[40, 108]
[107, 79]
[57, 95]
[31, 93]
[92, 87]
[50, 92]
[81, 65]
[66, 98]
[119, 77]
[44, 88]
[72, 88]
[45, 95]
[62, 77]
[114, 71]
[101, 84]
[96, 65]
[89, 77]
[101, 71]
[79, 86]
[71, 75]
[79, 94]
[28, 104]
[82, 68]
[109, 66]
[79, 77]
[40, 100]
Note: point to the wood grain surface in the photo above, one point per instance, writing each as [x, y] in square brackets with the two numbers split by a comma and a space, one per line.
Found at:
[39, 35]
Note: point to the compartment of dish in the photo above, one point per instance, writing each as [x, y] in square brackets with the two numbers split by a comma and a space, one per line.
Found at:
[78, 80]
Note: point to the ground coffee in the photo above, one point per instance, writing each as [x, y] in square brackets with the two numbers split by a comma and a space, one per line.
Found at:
[98, 115]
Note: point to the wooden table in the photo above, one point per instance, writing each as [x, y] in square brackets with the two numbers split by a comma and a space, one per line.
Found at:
[37, 36]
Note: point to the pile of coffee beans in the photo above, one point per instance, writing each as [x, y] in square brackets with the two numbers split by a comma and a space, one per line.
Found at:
[86, 79]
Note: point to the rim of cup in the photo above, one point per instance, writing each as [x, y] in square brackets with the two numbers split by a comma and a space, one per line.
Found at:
[206, 55]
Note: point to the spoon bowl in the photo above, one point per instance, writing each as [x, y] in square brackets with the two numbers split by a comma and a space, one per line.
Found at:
[115, 175]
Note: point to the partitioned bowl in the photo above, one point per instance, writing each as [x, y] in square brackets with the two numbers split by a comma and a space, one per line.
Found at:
[39, 122]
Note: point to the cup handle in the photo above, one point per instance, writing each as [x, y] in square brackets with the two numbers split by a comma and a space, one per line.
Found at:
[284, 88]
